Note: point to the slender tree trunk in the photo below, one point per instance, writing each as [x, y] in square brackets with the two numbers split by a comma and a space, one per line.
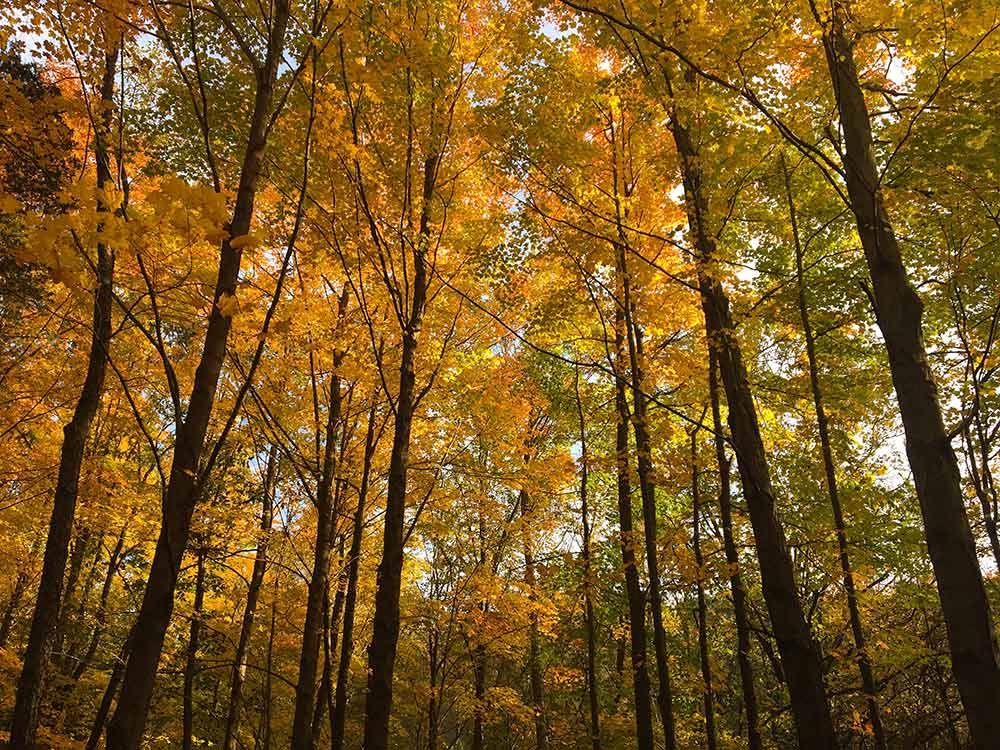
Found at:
[267, 730]
[331, 622]
[898, 311]
[588, 603]
[979, 484]
[799, 654]
[101, 616]
[830, 472]
[250, 609]
[191, 662]
[647, 490]
[703, 649]
[636, 602]
[433, 702]
[739, 595]
[479, 688]
[129, 720]
[385, 633]
[20, 586]
[50, 589]
[339, 713]
[534, 639]
[326, 510]
[110, 691]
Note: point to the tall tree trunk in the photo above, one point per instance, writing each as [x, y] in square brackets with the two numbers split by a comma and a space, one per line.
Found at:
[20, 586]
[49, 601]
[331, 622]
[898, 311]
[250, 608]
[636, 602]
[799, 654]
[588, 602]
[110, 691]
[101, 616]
[339, 712]
[534, 639]
[267, 729]
[704, 654]
[647, 490]
[191, 662]
[385, 632]
[434, 700]
[830, 472]
[326, 513]
[739, 594]
[129, 720]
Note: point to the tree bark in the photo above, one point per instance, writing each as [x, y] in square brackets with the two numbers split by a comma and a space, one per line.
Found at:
[250, 609]
[191, 662]
[647, 490]
[326, 516]
[20, 586]
[385, 634]
[535, 675]
[588, 603]
[799, 654]
[704, 653]
[898, 311]
[339, 713]
[636, 602]
[129, 720]
[48, 603]
[739, 595]
[830, 473]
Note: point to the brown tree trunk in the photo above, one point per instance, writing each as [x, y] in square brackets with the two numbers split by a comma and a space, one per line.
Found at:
[102, 608]
[636, 603]
[830, 472]
[588, 602]
[898, 311]
[20, 585]
[339, 712]
[799, 654]
[129, 720]
[50, 588]
[534, 639]
[647, 490]
[250, 608]
[739, 594]
[191, 662]
[385, 632]
[326, 512]
[110, 691]
[704, 654]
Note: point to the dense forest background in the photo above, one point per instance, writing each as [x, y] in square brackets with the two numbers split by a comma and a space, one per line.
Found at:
[499, 374]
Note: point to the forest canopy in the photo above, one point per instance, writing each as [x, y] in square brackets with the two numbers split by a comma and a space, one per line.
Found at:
[499, 374]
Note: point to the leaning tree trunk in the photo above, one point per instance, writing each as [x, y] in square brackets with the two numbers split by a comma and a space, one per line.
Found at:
[830, 472]
[739, 594]
[250, 608]
[628, 541]
[898, 311]
[799, 653]
[48, 603]
[129, 721]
